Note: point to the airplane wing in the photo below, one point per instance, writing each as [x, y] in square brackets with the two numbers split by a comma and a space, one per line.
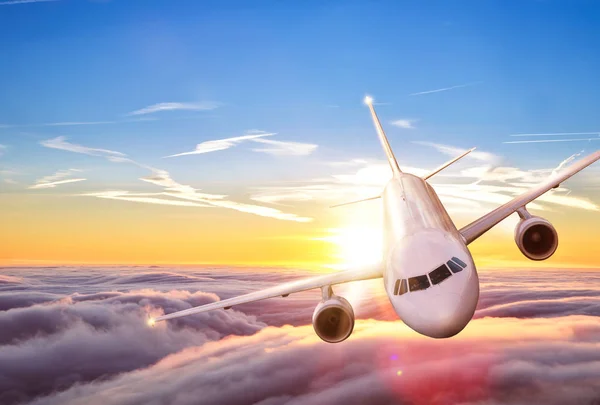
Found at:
[477, 228]
[284, 290]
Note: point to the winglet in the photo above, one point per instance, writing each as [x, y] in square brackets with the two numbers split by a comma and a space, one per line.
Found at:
[442, 167]
[382, 138]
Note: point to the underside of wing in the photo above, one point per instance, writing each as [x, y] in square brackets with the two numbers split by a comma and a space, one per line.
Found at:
[477, 228]
[282, 290]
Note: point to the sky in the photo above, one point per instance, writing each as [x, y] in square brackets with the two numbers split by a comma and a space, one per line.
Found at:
[220, 132]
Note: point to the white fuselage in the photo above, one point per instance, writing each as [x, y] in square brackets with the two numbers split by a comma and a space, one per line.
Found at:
[420, 239]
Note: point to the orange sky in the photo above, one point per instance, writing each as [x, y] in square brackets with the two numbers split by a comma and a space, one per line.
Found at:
[63, 229]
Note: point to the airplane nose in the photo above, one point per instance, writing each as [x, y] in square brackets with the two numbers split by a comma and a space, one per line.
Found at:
[445, 316]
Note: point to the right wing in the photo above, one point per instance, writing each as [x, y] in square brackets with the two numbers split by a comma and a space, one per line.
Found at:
[475, 229]
[281, 290]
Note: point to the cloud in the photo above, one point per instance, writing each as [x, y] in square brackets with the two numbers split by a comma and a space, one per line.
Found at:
[554, 140]
[559, 134]
[2, 149]
[142, 198]
[222, 144]
[15, 2]
[454, 151]
[445, 89]
[176, 191]
[534, 340]
[62, 144]
[200, 106]
[404, 123]
[364, 179]
[285, 148]
[77, 123]
[290, 365]
[58, 178]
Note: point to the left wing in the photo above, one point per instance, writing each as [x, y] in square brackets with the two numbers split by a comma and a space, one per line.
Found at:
[281, 290]
[475, 229]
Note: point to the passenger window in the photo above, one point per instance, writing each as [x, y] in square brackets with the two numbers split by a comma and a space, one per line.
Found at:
[460, 262]
[418, 283]
[403, 287]
[396, 287]
[454, 267]
[439, 274]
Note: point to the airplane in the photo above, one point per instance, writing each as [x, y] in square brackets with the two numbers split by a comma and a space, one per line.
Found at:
[428, 271]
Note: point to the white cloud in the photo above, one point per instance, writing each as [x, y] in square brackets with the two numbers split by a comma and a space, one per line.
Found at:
[222, 144]
[76, 123]
[555, 140]
[445, 89]
[148, 198]
[161, 178]
[404, 123]
[10, 181]
[62, 144]
[15, 2]
[55, 183]
[56, 179]
[559, 134]
[284, 148]
[485, 193]
[454, 151]
[200, 106]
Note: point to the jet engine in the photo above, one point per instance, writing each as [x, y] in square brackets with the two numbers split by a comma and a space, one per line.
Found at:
[536, 238]
[333, 319]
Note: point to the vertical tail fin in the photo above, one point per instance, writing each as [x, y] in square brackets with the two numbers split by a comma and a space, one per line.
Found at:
[383, 139]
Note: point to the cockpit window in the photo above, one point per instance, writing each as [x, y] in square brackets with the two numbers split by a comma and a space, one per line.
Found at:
[453, 266]
[439, 274]
[403, 287]
[460, 262]
[418, 283]
[396, 286]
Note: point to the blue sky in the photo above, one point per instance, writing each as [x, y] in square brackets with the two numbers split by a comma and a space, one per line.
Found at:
[300, 69]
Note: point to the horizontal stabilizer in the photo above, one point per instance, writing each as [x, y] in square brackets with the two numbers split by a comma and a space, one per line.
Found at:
[357, 201]
[442, 167]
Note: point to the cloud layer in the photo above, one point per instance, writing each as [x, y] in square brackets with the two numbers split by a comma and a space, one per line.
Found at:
[78, 336]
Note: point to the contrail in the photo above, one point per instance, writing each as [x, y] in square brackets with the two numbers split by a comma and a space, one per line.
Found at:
[559, 134]
[555, 140]
[445, 89]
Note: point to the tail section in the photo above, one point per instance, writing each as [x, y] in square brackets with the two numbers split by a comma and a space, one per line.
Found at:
[383, 139]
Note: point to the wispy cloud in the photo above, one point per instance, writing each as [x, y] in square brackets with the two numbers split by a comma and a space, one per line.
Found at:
[493, 185]
[176, 193]
[405, 123]
[62, 144]
[15, 2]
[222, 144]
[76, 123]
[285, 148]
[200, 106]
[555, 140]
[454, 151]
[58, 178]
[148, 198]
[2, 149]
[558, 134]
[445, 89]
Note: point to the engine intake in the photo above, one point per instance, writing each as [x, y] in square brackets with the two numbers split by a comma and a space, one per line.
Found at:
[333, 319]
[536, 238]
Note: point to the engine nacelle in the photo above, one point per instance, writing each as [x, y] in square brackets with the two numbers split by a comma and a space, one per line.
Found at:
[536, 238]
[333, 319]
